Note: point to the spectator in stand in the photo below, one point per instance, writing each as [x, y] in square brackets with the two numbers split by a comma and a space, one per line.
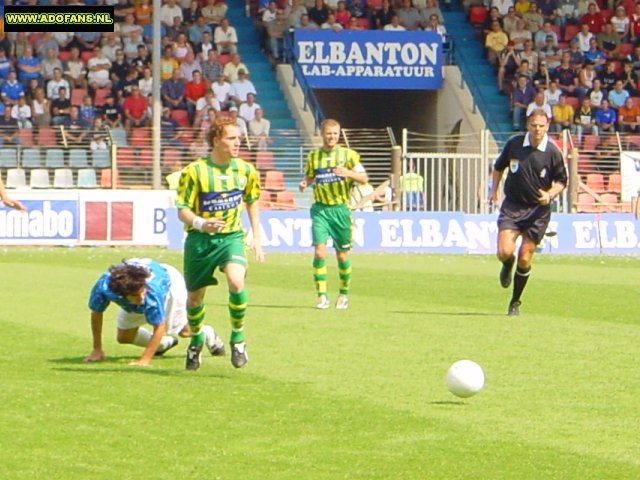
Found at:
[394, 26]
[178, 28]
[111, 113]
[584, 37]
[214, 12]
[331, 24]
[56, 83]
[231, 68]
[521, 7]
[203, 105]
[276, 30]
[621, 23]
[629, 117]
[609, 42]
[142, 59]
[563, 115]
[510, 21]
[566, 77]
[86, 41]
[168, 12]
[168, 64]
[11, 90]
[207, 119]
[194, 91]
[28, 67]
[409, 16]
[384, 14]
[618, 96]
[225, 38]
[135, 110]
[607, 155]
[522, 96]
[533, 18]
[430, 8]
[110, 48]
[319, 13]
[503, 6]
[306, 24]
[495, 42]
[268, 16]
[63, 39]
[5, 66]
[169, 130]
[189, 66]
[524, 70]
[212, 69]
[609, 76]
[120, 11]
[241, 88]
[258, 130]
[595, 56]
[585, 119]
[74, 69]
[593, 19]
[99, 67]
[119, 68]
[247, 110]
[192, 13]
[129, 28]
[203, 48]
[239, 121]
[99, 135]
[76, 129]
[143, 12]
[18, 45]
[552, 94]
[606, 118]
[629, 79]
[566, 14]
[342, 14]
[130, 49]
[8, 130]
[22, 113]
[538, 103]
[354, 25]
[222, 90]
[576, 59]
[541, 77]
[60, 107]
[198, 29]
[434, 25]
[508, 61]
[530, 55]
[597, 94]
[173, 92]
[586, 78]
[542, 36]
[87, 111]
[146, 82]
[123, 88]
[634, 27]
[50, 62]
[182, 48]
[294, 11]
[41, 109]
[551, 54]
[199, 147]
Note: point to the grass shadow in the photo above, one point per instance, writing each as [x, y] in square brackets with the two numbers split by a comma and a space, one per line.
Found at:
[146, 371]
[449, 314]
[457, 403]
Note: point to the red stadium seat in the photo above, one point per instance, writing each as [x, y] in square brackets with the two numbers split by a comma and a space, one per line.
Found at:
[477, 14]
[570, 31]
[77, 95]
[626, 49]
[145, 157]
[140, 137]
[127, 157]
[264, 160]
[265, 200]
[274, 180]
[85, 56]
[590, 142]
[363, 23]
[47, 137]
[26, 137]
[285, 201]
[574, 102]
[586, 203]
[33, 38]
[106, 178]
[181, 116]
[614, 183]
[101, 95]
[610, 201]
[245, 155]
[171, 156]
[224, 59]
[374, 4]
[595, 181]
[64, 56]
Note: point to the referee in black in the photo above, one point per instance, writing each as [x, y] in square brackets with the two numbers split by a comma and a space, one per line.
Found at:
[536, 175]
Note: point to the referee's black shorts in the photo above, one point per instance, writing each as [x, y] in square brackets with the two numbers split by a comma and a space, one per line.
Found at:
[531, 221]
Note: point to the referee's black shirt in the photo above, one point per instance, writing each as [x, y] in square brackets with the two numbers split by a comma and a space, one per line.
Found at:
[530, 169]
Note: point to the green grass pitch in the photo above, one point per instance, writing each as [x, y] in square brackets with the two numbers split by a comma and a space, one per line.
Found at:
[356, 394]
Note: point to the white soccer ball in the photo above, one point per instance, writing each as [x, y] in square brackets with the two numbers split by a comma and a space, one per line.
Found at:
[465, 378]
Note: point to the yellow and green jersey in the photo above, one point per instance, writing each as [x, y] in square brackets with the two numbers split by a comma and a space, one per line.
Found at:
[329, 188]
[217, 191]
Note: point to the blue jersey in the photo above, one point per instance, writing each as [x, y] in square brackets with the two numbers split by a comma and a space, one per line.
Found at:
[158, 285]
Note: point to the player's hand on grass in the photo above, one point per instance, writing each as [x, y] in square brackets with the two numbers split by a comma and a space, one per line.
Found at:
[95, 356]
[140, 363]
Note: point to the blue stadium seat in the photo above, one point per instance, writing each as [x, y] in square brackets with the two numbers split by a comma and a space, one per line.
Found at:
[8, 158]
[119, 137]
[101, 159]
[78, 158]
[54, 158]
[31, 158]
[87, 178]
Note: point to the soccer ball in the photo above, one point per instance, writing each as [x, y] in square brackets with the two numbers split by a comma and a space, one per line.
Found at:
[465, 378]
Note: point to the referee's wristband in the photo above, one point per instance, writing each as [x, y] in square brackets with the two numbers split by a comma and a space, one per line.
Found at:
[198, 223]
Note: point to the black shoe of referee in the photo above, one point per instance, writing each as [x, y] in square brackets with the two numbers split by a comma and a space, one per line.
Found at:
[506, 272]
[514, 309]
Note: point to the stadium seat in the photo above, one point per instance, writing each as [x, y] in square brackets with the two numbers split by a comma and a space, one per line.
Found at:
[16, 178]
[46, 137]
[606, 14]
[586, 203]
[186, 137]
[590, 142]
[101, 95]
[181, 116]
[77, 95]
[245, 155]
[363, 23]
[265, 160]
[614, 183]
[170, 156]
[119, 137]
[626, 49]
[126, 157]
[265, 200]
[39, 178]
[31, 158]
[106, 178]
[86, 55]
[595, 181]
[636, 103]
[87, 178]
[54, 158]
[274, 181]
[374, 4]
[570, 31]
[101, 158]
[34, 38]
[585, 163]
[63, 178]
[145, 157]
[26, 137]
[64, 56]
[610, 201]
[617, 67]
[8, 158]
[285, 201]
[78, 158]
[140, 137]
[224, 59]
[574, 102]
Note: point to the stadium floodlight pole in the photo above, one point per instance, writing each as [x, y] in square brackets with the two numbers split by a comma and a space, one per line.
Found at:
[157, 107]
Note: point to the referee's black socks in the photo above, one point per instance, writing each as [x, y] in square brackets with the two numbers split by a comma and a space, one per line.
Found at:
[519, 282]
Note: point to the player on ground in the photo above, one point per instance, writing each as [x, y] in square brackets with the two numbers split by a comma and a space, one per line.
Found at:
[536, 175]
[147, 292]
[9, 202]
[332, 169]
[209, 200]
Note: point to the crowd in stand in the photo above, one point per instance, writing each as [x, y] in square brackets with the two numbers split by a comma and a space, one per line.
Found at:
[87, 81]
[577, 59]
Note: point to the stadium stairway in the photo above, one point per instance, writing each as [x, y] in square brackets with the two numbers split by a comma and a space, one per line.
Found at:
[262, 74]
[476, 70]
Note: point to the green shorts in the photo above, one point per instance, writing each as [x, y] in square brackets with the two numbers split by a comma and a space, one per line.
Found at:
[203, 253]
[332, 221]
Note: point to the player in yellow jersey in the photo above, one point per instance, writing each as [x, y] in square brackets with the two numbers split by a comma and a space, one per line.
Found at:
[210, 196]
[332, 170]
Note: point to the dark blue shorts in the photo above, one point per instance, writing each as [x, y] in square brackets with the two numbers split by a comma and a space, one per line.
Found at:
[531, 221]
